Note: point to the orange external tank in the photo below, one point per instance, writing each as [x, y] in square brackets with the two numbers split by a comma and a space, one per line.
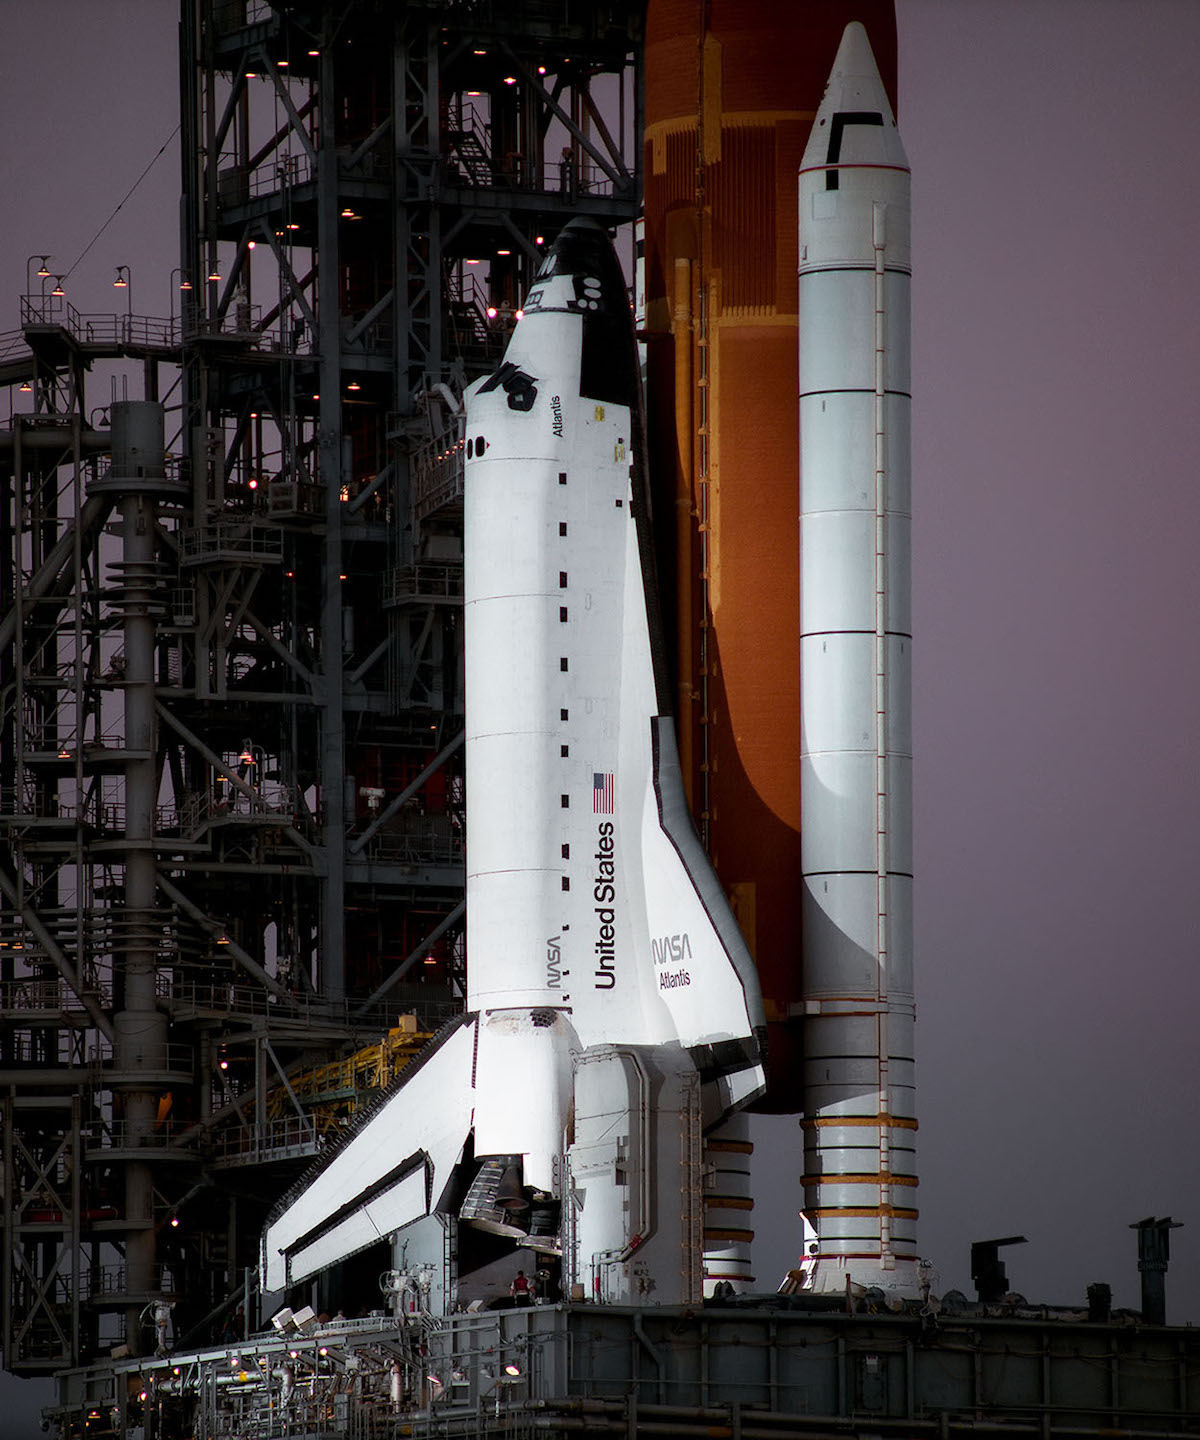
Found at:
[731, 90]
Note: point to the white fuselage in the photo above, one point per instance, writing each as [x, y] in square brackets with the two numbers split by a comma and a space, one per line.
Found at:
[577, 902]
[559, 692]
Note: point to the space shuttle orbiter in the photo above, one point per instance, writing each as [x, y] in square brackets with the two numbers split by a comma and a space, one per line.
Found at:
[613, 1010]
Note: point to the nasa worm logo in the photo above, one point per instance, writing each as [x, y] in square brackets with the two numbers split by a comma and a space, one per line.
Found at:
[672, 950]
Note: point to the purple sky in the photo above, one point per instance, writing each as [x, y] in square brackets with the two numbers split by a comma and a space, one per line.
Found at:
[1057, 350]
[1057, 681]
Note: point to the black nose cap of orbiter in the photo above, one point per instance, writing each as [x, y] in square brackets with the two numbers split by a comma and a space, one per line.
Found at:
[585, 253]
[609, 364]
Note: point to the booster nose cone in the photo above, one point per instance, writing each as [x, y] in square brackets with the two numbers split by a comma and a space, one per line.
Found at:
[854, 126]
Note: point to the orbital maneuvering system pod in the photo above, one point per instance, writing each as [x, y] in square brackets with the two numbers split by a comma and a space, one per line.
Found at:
[613, 1010]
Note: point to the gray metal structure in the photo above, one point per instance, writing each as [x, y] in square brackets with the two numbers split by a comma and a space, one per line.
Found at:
[230, 671]
[755, 1373]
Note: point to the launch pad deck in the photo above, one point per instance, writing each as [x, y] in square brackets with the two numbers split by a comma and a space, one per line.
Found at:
[752, 1371]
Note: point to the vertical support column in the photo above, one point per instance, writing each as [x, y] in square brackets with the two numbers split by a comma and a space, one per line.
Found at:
[8, 1174]
[418, 238]
[74, 1266]
[140, 1042]
[331, 981]
[1154, 1251]
[685, 618]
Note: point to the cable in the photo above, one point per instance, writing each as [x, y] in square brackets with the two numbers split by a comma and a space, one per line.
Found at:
[125, 197]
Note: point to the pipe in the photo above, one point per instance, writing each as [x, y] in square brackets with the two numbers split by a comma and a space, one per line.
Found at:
[681, 327]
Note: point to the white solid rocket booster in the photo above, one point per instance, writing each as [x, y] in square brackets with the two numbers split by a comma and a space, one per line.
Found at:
[855, 676]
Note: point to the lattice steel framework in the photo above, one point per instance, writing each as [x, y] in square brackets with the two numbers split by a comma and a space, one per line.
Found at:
[230, 662]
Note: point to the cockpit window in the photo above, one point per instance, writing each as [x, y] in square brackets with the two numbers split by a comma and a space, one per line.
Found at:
[519, 387]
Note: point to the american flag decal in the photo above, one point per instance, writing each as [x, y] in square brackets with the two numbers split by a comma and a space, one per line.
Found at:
[602, 793]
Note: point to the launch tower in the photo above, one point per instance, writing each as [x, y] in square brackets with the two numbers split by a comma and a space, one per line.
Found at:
[231, 870]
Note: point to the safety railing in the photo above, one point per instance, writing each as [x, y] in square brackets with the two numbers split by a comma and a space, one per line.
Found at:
[440, 583]
[190, 994]
[272, 1139]
[48, 995]
[238, 183]
[102, 331]
[417, 841]
[155, 1059]
[437, 471]
[286, 498]
[121, 1135]
[236, 541]
[109, 1281]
